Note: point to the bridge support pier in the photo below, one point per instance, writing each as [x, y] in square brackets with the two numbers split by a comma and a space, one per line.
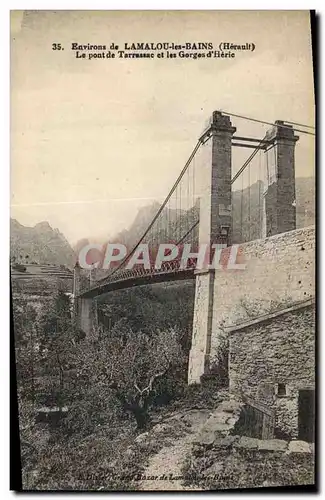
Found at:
[199, 361]
[280, 198]
[85, 308]
[215, 228]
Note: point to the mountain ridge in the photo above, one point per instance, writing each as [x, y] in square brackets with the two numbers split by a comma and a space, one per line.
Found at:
[39, 244]
[45, 245]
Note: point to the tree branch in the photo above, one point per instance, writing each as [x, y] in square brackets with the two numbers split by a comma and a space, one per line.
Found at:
[152, 379]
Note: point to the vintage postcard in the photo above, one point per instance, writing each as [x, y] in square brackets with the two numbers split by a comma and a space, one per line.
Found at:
[162, 249]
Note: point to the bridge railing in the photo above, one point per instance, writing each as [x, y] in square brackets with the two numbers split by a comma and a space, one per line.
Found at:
[137, 271]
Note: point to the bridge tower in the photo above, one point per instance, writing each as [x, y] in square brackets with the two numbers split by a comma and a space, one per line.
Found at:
[216, 227]
[280, 206]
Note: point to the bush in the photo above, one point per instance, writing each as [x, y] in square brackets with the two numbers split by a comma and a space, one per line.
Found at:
[248, 469]
[111, 382]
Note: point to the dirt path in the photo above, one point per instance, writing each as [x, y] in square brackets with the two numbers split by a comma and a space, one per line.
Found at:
[166, 466]
[164, 470]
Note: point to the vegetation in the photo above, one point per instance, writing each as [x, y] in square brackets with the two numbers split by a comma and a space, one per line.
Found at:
[112, 383]
[116, 385]
[216, 469]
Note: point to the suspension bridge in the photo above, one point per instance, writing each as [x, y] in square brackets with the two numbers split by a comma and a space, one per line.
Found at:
[217, 199]
[222, 196]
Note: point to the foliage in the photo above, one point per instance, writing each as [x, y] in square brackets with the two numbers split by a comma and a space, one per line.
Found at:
[151, 307]
[57, 336]
[33, 440]
[112, 382]
[248, 469]
[87, 463]
[27, 352]
[123, 371]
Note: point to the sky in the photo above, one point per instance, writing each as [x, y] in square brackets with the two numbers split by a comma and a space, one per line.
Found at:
[93, 141]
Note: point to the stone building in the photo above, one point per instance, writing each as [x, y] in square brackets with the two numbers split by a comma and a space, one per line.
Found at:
[279, 273]
[272, 364]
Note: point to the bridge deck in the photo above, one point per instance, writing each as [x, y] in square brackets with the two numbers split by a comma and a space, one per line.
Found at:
[137, 280]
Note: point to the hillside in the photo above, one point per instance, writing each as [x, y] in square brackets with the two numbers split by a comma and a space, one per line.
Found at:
[247, 206]
[40, 244]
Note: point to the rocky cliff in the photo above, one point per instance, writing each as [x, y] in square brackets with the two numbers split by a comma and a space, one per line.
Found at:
[40, 244]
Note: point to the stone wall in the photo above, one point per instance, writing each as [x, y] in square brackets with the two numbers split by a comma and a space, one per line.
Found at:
[279, 272]
[223, 458]
[40, 285]
[280, 350]
[220, 430]
[202, 318]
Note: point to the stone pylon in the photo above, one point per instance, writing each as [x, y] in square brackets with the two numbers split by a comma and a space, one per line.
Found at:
[215, 228]
[280, 197]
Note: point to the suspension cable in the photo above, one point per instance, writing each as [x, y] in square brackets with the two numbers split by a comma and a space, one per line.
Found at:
[241, 208]
[247, 162]
[260, 215]
[300, 124]
[193, 197]
[180, 208]
[158, 213]
[188, 232]
[188, 215]
[267, 171]
[242, 168]
[270, 123]
[249, 202]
